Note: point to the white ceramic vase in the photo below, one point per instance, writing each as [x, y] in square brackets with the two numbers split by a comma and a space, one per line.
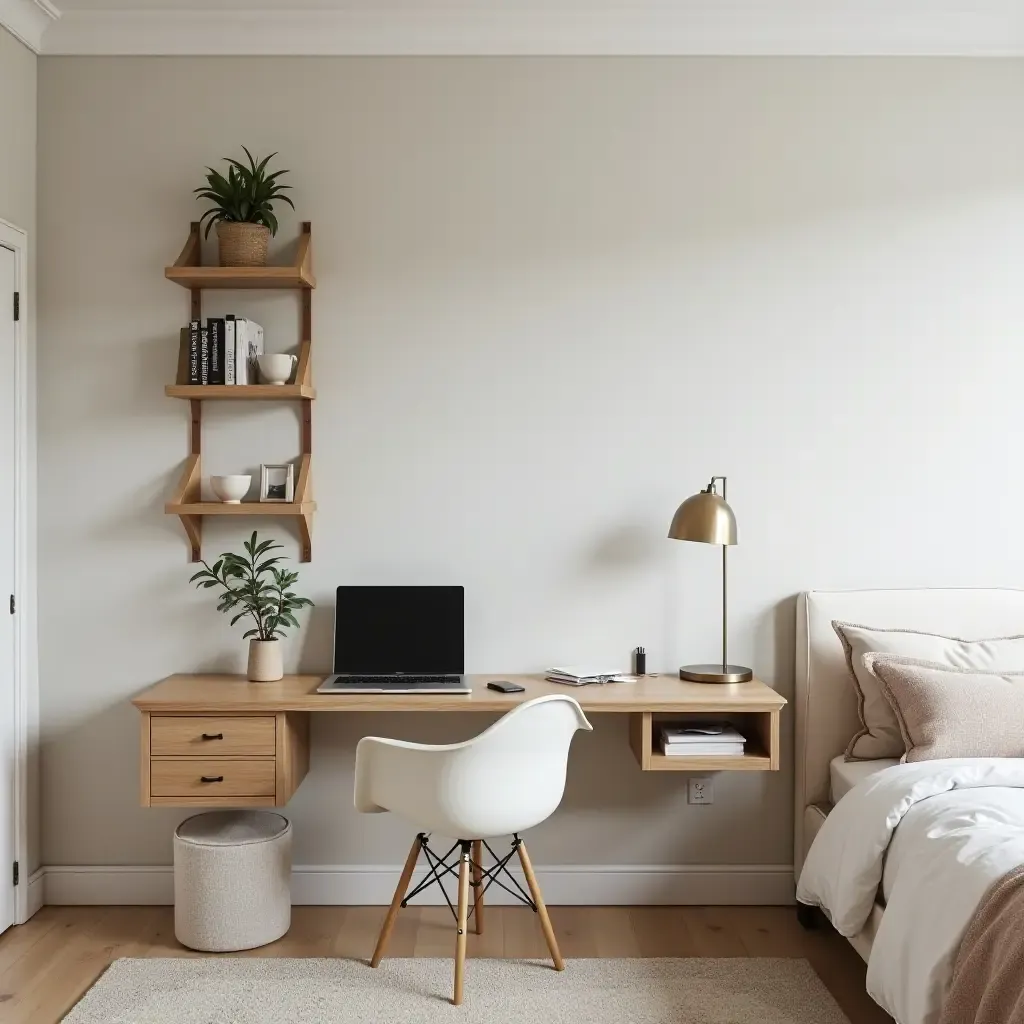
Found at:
[265, 662]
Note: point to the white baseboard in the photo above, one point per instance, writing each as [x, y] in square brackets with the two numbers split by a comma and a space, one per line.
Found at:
[35, 898]
[362, 885]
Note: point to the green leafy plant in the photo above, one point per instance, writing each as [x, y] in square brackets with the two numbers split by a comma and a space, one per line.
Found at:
[254, 585]
[247, 195]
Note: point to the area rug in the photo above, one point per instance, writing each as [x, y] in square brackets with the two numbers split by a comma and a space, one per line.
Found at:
[232, 990]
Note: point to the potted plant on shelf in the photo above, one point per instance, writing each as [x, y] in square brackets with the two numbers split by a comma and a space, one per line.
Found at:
[254, 586]
[243, 209]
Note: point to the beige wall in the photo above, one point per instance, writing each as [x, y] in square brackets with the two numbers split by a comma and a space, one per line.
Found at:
[554, 297]
[18, 207]
[18, 128]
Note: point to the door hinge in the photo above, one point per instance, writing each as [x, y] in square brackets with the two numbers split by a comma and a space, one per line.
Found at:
[12, 604]
[17, 305]
[17, 873]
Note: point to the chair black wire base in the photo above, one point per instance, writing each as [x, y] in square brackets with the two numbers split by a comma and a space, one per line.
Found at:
[440, 868]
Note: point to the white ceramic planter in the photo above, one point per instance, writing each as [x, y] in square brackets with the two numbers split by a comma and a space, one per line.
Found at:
[265, 662]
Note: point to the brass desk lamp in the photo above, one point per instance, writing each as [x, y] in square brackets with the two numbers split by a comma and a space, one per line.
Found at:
[707, 519]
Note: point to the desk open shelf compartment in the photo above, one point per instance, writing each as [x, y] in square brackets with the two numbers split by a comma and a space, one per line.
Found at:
[761, 754]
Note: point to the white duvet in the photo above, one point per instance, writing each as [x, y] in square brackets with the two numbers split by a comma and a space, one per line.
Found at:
[941, 833]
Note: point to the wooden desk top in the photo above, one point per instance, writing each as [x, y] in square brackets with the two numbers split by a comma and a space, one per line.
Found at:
[205, 694]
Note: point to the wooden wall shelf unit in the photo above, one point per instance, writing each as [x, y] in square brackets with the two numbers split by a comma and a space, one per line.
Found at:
[241, 392]
[186, 501]
[211, 725]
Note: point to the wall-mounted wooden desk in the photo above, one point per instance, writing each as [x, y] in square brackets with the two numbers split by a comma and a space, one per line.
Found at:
[220, 741]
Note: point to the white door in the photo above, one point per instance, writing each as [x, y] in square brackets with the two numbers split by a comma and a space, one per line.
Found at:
[7, 384]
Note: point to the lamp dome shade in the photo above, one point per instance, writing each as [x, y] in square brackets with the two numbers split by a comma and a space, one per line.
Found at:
[705, 518]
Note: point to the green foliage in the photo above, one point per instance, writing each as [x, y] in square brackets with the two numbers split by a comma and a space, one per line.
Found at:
[248, 590]
[247, 195]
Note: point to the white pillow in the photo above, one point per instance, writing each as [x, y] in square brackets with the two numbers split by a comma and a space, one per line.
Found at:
[880, 734]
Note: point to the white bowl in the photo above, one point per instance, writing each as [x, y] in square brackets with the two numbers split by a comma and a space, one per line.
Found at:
[231, 489]
[276, 368]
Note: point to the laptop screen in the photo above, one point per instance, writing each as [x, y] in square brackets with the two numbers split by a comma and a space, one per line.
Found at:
[385, 630]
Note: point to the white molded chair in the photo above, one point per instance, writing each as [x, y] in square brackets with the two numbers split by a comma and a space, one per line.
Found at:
[502, 782]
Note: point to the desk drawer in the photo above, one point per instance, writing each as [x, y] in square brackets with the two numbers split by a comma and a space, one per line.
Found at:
[224, 777]
[208, 736]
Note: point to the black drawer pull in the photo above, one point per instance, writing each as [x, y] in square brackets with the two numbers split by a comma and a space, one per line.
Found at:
[212, 778]
[213, 735]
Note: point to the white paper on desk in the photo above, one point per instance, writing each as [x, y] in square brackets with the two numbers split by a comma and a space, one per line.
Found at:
[583, 671]
[582, 675]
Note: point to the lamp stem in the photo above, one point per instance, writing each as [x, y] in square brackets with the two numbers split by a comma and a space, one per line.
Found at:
[725, 593]
[725, 609]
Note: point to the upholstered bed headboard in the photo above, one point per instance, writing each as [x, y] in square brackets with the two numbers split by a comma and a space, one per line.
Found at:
[825, 701]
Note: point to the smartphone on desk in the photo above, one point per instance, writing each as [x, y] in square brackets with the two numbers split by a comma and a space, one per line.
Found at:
[505, 686]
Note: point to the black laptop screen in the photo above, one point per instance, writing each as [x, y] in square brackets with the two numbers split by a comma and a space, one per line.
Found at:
[383, 630]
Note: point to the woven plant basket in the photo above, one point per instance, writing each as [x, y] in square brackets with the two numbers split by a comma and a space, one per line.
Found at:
[242, 245]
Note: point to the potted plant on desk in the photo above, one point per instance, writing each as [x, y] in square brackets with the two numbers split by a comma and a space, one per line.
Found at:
[254, 586]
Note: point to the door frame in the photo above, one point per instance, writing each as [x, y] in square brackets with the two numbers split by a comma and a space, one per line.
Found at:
[26, 652]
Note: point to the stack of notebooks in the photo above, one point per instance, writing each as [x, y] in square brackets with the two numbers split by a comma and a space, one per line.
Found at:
[224, 351]
[580, 676]
[701, 739]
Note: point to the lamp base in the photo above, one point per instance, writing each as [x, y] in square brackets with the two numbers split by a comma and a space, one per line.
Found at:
[717, 673]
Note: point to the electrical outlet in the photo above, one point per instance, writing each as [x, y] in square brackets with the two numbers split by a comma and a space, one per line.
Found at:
[702, 791]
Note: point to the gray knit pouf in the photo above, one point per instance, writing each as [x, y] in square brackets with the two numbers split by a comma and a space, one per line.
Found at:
[232, 880]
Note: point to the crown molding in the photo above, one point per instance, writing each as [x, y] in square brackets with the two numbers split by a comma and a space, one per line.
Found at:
[27, 20]
[653, 28]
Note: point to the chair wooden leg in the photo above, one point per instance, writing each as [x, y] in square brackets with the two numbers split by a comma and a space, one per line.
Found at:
[542, 911]
[460, 944]
[396, 903]
[478, 887]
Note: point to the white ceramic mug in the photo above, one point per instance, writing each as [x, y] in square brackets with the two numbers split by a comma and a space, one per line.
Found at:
[276, 368]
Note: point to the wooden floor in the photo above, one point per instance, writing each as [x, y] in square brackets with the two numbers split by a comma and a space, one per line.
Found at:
[48, 963]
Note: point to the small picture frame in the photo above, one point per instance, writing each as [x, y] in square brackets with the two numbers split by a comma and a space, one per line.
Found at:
[277, 483]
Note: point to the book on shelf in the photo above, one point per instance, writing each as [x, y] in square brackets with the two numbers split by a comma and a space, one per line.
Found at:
[248, 348]
[215, 325]
[194, 328]
[702, 750]
[224, 351]
[701, 732]
[229, 349]
[579, 675]
[701, 739]
[204, 356]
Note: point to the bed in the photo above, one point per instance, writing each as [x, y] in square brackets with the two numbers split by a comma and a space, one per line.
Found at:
[826, 719]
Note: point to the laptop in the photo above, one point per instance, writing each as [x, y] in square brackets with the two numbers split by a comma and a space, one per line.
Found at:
[398, 640]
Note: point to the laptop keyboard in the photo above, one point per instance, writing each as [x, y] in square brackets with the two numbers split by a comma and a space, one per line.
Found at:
[405, 681]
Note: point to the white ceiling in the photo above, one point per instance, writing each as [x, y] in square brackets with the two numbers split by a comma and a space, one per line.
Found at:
[508, 27]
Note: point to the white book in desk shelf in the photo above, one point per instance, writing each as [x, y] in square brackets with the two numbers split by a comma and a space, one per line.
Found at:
[692, 733]
[702, 749]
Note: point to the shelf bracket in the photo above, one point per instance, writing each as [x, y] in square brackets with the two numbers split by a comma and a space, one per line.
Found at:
[304, 494]
[195, 427]
[304, 259]
[303, 369]
[306, 536]
[187, 491]
[307, 427]
[191, 251]
[194, 531]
